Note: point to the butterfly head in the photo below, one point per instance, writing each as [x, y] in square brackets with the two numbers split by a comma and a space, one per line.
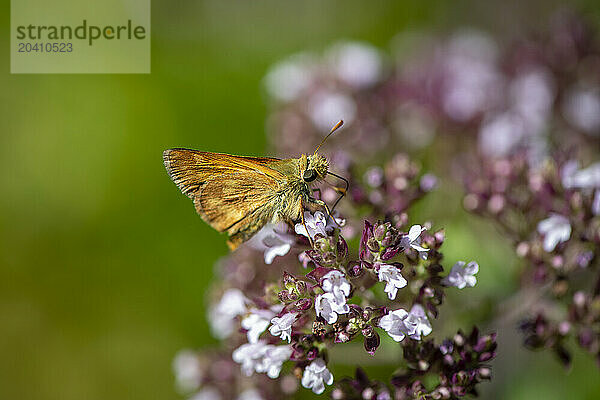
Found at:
[316, 168]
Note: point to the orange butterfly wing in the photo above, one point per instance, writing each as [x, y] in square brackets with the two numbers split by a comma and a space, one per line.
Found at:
[231, 193]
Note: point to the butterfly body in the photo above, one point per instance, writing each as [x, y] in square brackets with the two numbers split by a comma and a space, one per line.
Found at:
[239, 195]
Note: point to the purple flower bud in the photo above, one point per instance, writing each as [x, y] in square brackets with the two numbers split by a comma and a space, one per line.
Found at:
[312, 354]
[318, 273]
[446, 347]
[371, 341]
[303, 304]
[356, 270]
[379, 232]
[486, 356]
[368, 394]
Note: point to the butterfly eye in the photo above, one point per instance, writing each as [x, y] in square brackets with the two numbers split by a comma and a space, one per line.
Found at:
[309, 175]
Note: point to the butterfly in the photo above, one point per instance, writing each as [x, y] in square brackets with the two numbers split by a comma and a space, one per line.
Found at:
[239, 195]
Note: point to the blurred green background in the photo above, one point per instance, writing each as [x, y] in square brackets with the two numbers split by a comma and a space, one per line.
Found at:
[104, 264]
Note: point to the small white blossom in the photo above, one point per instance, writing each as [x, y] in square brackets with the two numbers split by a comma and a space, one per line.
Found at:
[555, 229]
[222, 315]
[282, 326]
[394, 280]
[260, 357]
[288, 79]
[249, 355]
[462, 275]
[335, 282]
[250, 394]
[317, 223]
[188, 371]
[326, 108]
[575, 178]
[273, 359]
[413, 240]
[316, 375]
[256, 323]
[418, 318]
[329, 306]
[207, 393]
[274, 240]
[397, 324]
[357, 64]
[582, 109]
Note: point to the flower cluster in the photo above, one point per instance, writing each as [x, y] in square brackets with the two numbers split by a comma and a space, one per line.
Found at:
[529, 109]
[459, 364]
[281, 307]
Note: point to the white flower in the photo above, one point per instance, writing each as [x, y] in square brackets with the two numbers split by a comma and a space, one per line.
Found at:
[462, 275]
[418, 318]
[326, 108]
[273, 359]
[575, 178]
[582, 109]
[250, 394]
[274, 240]
[282, 326]
[207, 393]
[413, 240]
[222, 315]
[335, 282]
[357, 64]
[288, 79]
[555, 229]
[316, 375]
[329, 306]
[261, 357]
[397, 324]
[391, 275]
[188, 372]
[317, 223]
[249, 355]
[256, 323]
[596, 203]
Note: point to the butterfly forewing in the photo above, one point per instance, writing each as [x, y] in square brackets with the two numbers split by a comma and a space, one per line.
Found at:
[231, 193]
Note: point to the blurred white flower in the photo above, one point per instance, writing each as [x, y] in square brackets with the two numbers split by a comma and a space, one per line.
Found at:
[317, 223]
[274, 240]
[222, 315]
[357, 64]
[188, 371]
[288, 79]
[531, 96]
[575, 178]
[335, 282]
[282, 326]
[273, 359]
[397, 324]
[316, 375]
[394, 280]
[256, 323]
[326, 108]
[582, 109]
[249, 394]
[499, 134]
[462, 275]
[472, 82]
[596, 203]
[555, 229]
[260, 357]
[413, 240]
[417, 318]
[329, 306]
[207, 393]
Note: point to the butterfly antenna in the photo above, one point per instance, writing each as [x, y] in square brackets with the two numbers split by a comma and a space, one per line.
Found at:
[335, 128]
